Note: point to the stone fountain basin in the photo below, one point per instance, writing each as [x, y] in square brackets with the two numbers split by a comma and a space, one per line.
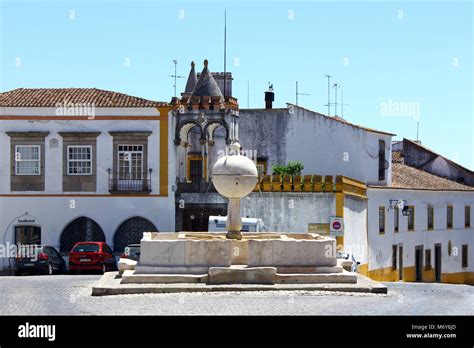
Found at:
[195, 253]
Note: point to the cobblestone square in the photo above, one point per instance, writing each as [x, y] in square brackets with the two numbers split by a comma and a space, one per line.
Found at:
[70, 295]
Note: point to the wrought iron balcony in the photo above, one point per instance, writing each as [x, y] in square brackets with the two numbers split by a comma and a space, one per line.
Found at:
[129, 182]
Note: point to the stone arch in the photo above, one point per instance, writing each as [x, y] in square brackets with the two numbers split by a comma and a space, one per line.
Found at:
[131, 232]
[211, 126]
[183, 128]
[81, 229]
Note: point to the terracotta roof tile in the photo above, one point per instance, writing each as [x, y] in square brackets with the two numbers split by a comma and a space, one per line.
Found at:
[406, 177]
[50, 97]
[397, 157]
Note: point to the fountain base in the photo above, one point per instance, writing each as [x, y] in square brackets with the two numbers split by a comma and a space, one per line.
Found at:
[257, 258]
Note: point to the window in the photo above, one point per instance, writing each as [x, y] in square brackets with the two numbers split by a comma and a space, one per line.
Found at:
[27, 235]
[428, 259]
[464, 256]
[27, 159]
[449, 217]
[467, 216]
[79, 160]
[130, 162]
[381, 160]
[86, 248]
[430, 214]
[394, 256]
[195, 168]
[262, 167]
[381, 220]
[411, 218]
[396, 215]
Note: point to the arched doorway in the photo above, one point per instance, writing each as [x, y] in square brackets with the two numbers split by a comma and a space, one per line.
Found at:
[82, 229]
[131, 232]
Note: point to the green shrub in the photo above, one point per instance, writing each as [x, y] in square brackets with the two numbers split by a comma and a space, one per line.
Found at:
[292, 168]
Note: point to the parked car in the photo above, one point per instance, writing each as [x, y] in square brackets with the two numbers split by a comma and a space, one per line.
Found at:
[352, 263]
[218, 224]
[132, 252]
[41, 259]
[92, 256]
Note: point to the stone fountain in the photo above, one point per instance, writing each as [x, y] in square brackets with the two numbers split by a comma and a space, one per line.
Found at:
[233, 257]
[234, 177]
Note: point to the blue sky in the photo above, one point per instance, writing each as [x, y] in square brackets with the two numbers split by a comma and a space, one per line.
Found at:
[379, 52]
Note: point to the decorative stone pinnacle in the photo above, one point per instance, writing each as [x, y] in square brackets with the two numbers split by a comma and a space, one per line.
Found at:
[192, 64]
[206, 62]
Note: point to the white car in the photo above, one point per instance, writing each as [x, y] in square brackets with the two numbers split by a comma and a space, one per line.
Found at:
[351, 260]
[218, 224]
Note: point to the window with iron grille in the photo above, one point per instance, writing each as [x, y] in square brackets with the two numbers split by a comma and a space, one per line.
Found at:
[79, 160]
[449, 217]
[381, 220]
[131, 232]
[430, 214]
[467, 216]
[27, 160]
[82, 229]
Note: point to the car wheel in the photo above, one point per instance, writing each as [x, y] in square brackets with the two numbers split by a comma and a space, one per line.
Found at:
[18, 273]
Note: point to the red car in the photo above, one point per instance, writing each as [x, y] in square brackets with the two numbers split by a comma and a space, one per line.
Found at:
[89, 256]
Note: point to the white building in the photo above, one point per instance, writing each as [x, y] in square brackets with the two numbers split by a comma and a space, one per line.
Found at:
[82, 164]
[123, 165]
[434, 242]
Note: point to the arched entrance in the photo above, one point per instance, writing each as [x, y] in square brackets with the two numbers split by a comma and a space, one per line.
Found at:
[82, 229]
[131, 232]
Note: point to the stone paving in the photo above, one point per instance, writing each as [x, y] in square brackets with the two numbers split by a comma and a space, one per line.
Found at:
[70, 295]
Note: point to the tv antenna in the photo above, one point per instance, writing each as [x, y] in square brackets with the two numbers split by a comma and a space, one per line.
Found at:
[342, 103]
[297, 93]
[336, 87]
[329, 94]
[175, 76]
[225, 49]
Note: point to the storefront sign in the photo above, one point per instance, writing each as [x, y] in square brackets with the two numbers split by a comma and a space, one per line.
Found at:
[26, 221]
[322, 229]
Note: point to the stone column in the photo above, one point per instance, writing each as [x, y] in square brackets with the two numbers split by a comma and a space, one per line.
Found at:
[185, 145]
[234, 220]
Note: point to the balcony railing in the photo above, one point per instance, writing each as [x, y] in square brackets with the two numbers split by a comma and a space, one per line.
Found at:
[130, 182]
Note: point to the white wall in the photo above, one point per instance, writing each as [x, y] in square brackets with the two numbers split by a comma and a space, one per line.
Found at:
[53, 214]
[380, 246]
[355, 227]
[289, 212]
[54, 156]
[324, 145]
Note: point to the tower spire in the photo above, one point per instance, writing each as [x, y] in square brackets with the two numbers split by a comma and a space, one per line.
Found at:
[192, 80]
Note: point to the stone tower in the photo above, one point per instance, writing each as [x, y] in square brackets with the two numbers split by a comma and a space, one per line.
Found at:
[204, 121]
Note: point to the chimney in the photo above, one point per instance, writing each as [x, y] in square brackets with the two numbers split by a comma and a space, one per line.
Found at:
[269, 97]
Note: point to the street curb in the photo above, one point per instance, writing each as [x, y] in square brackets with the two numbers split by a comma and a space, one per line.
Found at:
[110, 285]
